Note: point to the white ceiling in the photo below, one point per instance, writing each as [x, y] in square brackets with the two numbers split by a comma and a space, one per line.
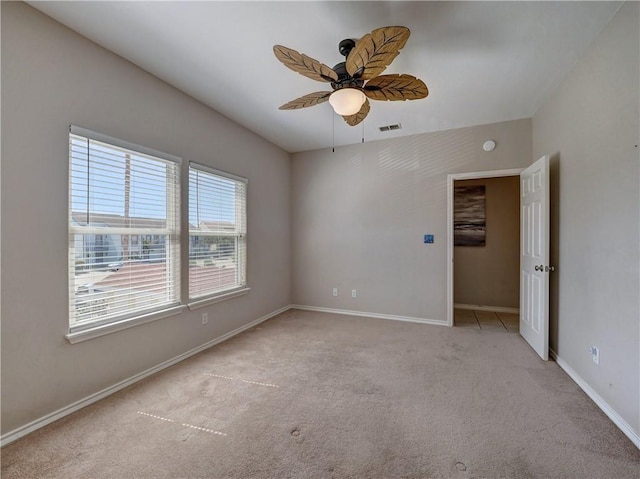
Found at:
[483, 62]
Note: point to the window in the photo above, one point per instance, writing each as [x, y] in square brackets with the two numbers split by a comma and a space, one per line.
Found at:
[124, 242]
[217, 232]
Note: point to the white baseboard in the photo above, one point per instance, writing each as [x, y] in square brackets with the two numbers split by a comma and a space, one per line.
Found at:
[370, 315]
[65, 411]
[495, 309]
[596, 398]
[71, 408]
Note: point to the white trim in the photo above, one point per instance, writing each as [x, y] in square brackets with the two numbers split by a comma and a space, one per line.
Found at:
[201, 303]
[450, 180]
[494, 309]
[107, 328]
[71, 408]
[117, 142]
[207, 169]
[370, 315]
[473, 175]
[611, 413]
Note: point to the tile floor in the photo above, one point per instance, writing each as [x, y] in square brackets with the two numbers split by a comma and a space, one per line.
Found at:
[486, 320]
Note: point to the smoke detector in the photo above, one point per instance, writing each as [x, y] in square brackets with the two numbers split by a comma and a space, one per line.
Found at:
[489, 145]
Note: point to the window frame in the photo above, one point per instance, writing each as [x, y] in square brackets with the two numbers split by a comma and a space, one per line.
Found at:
[241, 286]
[172, 231]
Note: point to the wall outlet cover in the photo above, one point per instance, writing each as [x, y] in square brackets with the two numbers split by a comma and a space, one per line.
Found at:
[595, 354]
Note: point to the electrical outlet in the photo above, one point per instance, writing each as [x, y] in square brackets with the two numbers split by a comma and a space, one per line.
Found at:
[353, 293]
[335, 291]
[205, 318]
[595, 354]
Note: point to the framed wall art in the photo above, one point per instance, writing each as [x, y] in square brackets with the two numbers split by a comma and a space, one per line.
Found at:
[469, 216]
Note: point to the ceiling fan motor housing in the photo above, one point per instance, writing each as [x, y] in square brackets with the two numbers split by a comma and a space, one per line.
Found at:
[344, 79]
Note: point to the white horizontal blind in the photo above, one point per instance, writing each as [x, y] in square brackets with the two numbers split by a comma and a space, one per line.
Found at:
[124, 247]
[217, 232]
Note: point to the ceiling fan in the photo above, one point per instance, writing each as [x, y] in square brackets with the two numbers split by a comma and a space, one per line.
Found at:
[357, 79]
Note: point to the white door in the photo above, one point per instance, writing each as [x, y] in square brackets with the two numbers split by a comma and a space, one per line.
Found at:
[534, 256]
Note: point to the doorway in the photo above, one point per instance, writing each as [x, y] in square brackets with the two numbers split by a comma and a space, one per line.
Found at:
[481, 290]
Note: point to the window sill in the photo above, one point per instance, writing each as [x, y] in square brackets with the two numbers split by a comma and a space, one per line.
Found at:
[96, 332]
[201, 303]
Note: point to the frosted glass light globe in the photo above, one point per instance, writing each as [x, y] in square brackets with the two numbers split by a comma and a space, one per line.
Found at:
[347, 101]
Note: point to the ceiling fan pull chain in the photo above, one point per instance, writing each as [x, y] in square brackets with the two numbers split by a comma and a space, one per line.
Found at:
[333, 131]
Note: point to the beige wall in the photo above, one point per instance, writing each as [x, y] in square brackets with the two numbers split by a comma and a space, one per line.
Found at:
[359, 216]
[590, 128]
[490, 275]
[353, 219]
[52, 77]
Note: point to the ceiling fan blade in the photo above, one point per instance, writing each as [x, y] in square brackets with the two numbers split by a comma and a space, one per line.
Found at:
[353, 120]
[307, 100]
[375, 51]
[395, 88]
[304, 65]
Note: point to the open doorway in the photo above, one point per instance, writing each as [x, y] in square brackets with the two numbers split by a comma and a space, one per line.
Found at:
[484, 279]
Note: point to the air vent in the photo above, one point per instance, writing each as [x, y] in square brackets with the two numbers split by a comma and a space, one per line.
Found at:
[397, 126]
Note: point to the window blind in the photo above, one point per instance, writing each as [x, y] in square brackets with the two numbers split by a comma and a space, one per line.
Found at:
[124, 242]
[217, 232]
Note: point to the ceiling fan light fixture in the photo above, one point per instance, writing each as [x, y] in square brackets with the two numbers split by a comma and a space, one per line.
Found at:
[365, 60]
[347, 101]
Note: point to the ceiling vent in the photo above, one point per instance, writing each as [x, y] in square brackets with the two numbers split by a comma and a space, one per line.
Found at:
[397, 126]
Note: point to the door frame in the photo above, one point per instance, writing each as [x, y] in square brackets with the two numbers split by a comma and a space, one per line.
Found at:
[451, 179]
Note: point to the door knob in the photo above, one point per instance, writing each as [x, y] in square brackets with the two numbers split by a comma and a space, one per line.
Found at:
[539, 268]
[550, 269]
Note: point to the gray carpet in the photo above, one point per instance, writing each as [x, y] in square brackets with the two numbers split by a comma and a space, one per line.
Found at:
[314, 395]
